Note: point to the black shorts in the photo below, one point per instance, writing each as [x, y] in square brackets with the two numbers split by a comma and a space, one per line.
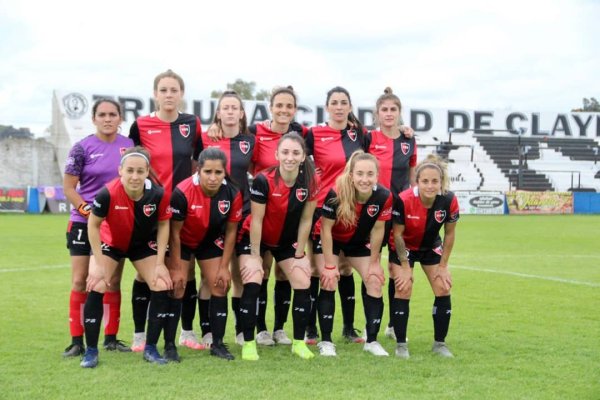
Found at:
[424, 257]
[77, 239]
[205, 250]
[134, 254]
[349, 249]
[280, 253]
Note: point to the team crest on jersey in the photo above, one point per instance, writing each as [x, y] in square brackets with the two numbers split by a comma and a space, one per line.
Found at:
[372, 210]
[351, 134]
[184, 129]
[149, 209]
[122, 150]
[439, 215]
[220, 242]
[301, 194]
[405, 147]
[224, 206]
[244, 146]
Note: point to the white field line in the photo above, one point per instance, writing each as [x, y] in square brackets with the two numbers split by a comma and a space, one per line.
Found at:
[530, 276]
[39, 268]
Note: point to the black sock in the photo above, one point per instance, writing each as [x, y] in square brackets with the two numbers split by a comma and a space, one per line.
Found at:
[300, 312]
[442, 310]
[172, 320]
[78, 340]
[248, 310]
[140, 298]
[314, 294]
[391, 294]
[188, 305]
[203, 310]
[373, 312]
[157, 315]
[92, 318]
[346, 289]
[326, 305]
[218, 317]
[261, 323]
[400, 310]
[235, 306]
[283, 296]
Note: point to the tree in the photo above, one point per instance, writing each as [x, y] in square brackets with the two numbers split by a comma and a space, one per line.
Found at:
[9, 131]
[246, 90]
[590, 105]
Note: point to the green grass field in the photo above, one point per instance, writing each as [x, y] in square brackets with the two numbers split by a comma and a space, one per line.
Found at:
[525, 325]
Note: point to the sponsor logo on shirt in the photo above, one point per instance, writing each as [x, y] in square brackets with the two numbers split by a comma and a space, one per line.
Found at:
[265, 139]
[117, 207]
[439, 215]
[122, 150]
[149, 209]
[70, 161]
[173, 210]
[372, 210]
[153, 131]
[387, 212]
[184, 129]
[277, 195]
[94, 156]
[223, 206]
[380, 146]
[405, 147]
[244, 146]
[301, 194]
[256, 192]
[194, 206]
[412, 216]
[325, 139]
[327, 208]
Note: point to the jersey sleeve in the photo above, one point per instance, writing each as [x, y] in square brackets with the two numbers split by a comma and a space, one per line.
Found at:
[413, 158]
[398, 212]
[329, 209]
[197, 144]
[310, 142]
[75, 160]
[236, 210]
[368, 140]
[164, 211]
[178, 205]
[259, 192]
[252, 129]
[454, 210]
[101, 204]
[134, 134]
[386, 213]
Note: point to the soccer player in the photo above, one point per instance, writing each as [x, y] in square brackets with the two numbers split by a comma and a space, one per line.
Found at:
[206, 210]
[283, 200]
[130, 219]
[397, 156]
[91, 163]
[171, 138]
[419, 215]
[353, 223]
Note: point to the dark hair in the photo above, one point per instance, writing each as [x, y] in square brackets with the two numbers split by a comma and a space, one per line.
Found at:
[105, 100]
[286, 90]
[306, 175]
[387, 95]
[215, 154]
[243, 120]
[354, 121]
[169, 74]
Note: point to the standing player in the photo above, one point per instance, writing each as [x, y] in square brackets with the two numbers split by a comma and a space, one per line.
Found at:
[397, 156]
[283, 202]
[130, 219]
[419, 214]
[171, 138]
[353, 222]
[206, 210]
[91, 163]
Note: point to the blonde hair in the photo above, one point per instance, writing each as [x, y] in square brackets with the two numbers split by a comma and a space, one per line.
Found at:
[170, 74]
[387, 95]
[346, 192]
[433, 161]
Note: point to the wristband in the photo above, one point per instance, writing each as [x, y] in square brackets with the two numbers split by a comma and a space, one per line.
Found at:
[299, 257]
[330, 267]
[84, 209]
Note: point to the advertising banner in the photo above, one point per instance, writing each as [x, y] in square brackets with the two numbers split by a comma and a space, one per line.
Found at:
[56, 202]
[524, 202]
[13, 199]
[474, 202]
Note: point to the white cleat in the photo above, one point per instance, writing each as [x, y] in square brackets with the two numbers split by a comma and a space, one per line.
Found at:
[402, 351]
[376, 349]
[280, 337]
[441, 349]
[239, 339]
[326, 349]
[264, 338]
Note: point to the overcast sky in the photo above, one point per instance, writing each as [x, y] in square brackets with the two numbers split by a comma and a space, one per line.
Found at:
[519, 55]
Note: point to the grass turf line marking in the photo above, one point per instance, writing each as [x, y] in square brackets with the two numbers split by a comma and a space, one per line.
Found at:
[530, 276]
[41, 267]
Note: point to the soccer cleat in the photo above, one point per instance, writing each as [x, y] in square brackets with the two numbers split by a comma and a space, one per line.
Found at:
[90, 358]
[207, 340]
[74, 350]
[376, 349]
[280, 337]
[219, 349]
[351, 335]
[171, 354]
[189, 340]
[311, 336]
[152, 355]
[139, 342]
[402, 351]
[327, 349]
[300, 349]
[389, 332]
[441, 349]
[239, 339]
[249, 352]
[116, 345]
[264, 338]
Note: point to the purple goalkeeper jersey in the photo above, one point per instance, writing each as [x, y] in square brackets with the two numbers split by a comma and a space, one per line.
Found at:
[95, 163]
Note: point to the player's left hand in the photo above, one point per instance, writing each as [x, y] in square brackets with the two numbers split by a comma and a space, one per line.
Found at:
[443, 274]
[407, 131]
[376, 271]
[162, 273]
[223, 278]
[303, 264]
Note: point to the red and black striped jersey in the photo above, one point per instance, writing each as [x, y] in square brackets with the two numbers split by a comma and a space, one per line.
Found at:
[422, 225]
[377, 208]
[171, 145]
[284, 207]
[239, 151]
[396, 157]
[128, 224]
[331, 149]
[266, 144]
[205, 218]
